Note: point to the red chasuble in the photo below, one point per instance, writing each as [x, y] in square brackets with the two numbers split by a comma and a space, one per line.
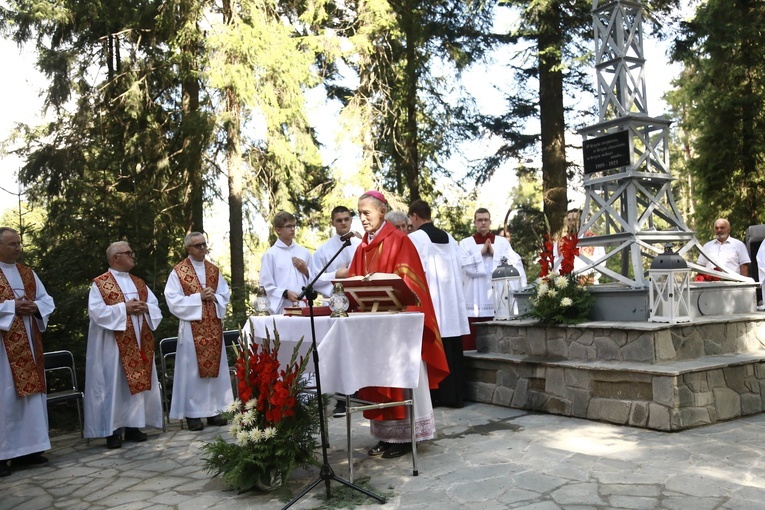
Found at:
[208, 332]
[28, 374]
[391, 251]
[136, 362]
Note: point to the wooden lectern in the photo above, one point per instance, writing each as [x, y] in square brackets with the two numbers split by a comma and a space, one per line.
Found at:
[377, 292]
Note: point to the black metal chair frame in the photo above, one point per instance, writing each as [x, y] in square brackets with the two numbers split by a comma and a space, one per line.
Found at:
[167, 349]
[64, 360]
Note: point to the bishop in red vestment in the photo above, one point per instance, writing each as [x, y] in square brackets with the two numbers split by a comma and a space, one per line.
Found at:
[385, 249]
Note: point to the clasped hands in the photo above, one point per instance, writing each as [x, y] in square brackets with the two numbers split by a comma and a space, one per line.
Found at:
[207, 294]
[24, 307]
[135, 307]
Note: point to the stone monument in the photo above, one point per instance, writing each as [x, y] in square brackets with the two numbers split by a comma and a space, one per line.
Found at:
[622, 368]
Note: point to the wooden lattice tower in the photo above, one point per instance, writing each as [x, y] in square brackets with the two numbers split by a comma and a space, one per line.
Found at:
[629, 204]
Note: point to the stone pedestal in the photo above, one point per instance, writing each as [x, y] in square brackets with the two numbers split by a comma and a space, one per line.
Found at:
[616, 302]
[658, 376]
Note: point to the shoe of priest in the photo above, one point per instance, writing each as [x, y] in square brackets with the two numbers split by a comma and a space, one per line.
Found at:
[135, 435]
[397, 450]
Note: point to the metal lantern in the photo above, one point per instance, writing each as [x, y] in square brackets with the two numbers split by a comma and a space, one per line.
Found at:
[670, 288]
[338, 302]
[504, 280]
[262, 303]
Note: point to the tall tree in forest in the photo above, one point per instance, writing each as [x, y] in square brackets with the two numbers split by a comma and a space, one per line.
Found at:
[724, 86]
[261, 61]
[179, 24]
[408, 56]
[681, 151]
[551, 40]
[104, 166]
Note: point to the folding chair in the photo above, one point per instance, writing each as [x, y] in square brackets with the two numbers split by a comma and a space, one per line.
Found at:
[167, 347]
[59, 387]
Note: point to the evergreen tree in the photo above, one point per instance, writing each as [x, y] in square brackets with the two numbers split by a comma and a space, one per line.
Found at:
[724, 98]
[408, 56]
[553, 44]
[106, 167]
[261, 61]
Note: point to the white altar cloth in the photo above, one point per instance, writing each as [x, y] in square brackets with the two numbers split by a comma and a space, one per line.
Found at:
[363, 349]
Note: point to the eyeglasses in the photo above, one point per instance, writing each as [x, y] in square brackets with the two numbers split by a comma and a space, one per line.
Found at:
[128, 253]
[198, 246]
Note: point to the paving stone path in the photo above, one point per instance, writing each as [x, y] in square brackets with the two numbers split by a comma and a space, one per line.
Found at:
[485, 457]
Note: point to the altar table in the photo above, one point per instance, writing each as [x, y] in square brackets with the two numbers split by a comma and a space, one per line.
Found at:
[363, 349]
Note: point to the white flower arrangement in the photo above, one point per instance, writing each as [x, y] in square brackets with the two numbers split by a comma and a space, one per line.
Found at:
[273, 423]
[558, 297]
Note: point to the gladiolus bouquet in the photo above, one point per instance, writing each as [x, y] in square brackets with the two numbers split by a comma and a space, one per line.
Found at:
[559, 297]
[273, 422]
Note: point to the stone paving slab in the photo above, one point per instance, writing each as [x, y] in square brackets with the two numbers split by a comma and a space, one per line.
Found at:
[484, 456]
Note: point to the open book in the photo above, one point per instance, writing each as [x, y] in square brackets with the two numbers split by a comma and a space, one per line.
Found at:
[377, 292]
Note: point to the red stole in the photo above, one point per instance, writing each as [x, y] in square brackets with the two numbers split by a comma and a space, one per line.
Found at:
[481, 239]
[391, 251]
[207, 332]
[28, 374]
[137, 363]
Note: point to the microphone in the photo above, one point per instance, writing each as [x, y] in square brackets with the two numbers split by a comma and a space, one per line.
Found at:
[347, 236]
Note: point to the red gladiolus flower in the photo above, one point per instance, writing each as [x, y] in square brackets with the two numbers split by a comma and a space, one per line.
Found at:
[569, 250]
[546, 256]
[260, 378]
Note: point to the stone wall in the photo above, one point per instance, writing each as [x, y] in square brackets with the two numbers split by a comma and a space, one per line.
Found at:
[630, 341]
[646, 375]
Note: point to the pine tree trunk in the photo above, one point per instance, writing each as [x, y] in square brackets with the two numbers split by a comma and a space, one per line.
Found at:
[551, 113]
[411, 138]
[191, 155]
[233, 109]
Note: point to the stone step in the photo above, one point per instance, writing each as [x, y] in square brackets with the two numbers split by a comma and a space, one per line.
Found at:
[667, 397]
[667, 369]
[644, 342]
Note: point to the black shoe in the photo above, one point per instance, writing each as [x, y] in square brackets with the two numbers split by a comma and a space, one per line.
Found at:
[114, 441]
[339, 411]
[397, 450]
[195, 424]
[217, 421]
[4, 469]
[379, 449]
[33, 459]
[135, 435]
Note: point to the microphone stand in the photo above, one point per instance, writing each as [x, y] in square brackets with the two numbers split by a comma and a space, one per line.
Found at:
[326, 474]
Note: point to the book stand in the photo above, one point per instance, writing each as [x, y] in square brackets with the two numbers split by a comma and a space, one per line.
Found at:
[386, 294]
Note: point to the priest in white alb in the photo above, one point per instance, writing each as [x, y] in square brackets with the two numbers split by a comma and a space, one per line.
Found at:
[483, 252]
[284, 266]
[441, 259]
[341, 221]
[121, 386]
[24, 310]
[338, 268]
[198, 295]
